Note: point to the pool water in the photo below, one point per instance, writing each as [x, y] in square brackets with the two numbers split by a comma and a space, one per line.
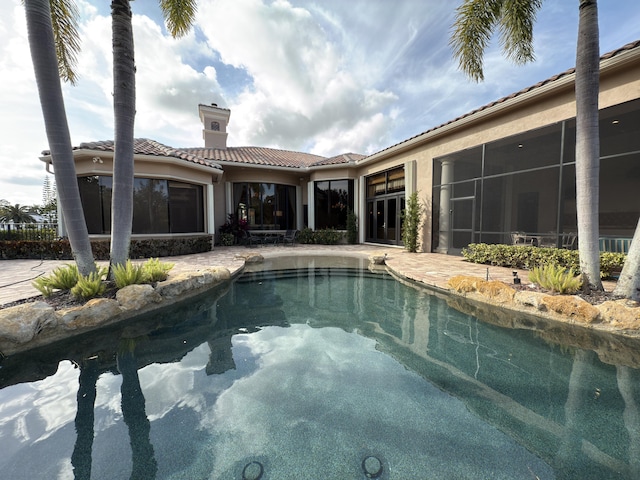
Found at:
[317, 369]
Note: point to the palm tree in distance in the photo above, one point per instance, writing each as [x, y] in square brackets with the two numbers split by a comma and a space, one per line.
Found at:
[52, 57]
[179, 16]
[16, 214]
[475, 22]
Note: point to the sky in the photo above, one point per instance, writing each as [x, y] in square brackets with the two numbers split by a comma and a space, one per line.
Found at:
[318, 76]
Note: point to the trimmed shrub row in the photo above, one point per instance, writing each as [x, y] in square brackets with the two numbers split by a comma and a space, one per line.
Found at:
[61, 250]
[325, 236]
[528, 257]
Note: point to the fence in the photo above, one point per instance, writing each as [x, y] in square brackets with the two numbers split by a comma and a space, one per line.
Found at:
[28, 231]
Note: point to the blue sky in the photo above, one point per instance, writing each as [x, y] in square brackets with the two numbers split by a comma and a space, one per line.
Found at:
[321, 76]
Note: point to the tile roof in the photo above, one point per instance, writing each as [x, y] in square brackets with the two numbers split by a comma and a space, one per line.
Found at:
[145, 146]
[265, 156]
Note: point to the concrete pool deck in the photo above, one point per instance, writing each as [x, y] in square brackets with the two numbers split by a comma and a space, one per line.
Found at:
[431, 269]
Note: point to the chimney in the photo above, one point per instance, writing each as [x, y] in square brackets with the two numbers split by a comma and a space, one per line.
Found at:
[214, 121]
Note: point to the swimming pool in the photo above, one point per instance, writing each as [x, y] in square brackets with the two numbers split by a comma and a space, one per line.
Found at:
[317, 368]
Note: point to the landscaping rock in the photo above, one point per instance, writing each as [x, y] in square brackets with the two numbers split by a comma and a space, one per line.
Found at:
[250, 258]
[21, 323]
[136, 297]
[620, 314]
[530, 299]
[94, 313]
[175, 286]
[571, 307]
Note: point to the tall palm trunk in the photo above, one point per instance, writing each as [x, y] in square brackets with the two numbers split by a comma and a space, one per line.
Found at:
[629, 282]
[588, 144]
[45, 64]
[124, 106]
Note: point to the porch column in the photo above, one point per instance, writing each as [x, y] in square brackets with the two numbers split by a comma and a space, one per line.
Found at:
[299, 208]
[311, 206]
[211, 224]
[444, 232]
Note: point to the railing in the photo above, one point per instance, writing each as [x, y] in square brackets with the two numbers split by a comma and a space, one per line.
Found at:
[28, 231]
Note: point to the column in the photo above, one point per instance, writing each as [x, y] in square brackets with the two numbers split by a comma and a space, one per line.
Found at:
[445, 207]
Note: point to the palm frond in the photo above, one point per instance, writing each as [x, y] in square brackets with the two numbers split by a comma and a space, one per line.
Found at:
[472, 29]
[516, 29]
[178, 15]
[64, 18]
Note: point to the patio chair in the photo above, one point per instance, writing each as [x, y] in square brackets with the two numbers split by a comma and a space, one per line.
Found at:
[251, 239]
[290, 237]
[569, 241]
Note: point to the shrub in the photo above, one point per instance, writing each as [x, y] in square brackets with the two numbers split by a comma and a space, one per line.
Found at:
[227, 239]
[352, 227]
[156, 271]
[90, 286]
[327, 236]
[235, 226]
[555, 278]
[528, 257]
[61, 278]
[412, 220]
[127, 274]
[306, 236]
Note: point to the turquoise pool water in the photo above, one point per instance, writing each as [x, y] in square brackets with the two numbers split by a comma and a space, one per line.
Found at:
[319, 369]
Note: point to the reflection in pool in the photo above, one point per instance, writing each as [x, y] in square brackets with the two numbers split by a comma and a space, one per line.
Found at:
[316, 372]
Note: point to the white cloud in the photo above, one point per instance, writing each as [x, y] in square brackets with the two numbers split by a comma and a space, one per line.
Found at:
[300, 74]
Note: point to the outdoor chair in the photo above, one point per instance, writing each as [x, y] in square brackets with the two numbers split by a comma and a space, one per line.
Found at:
[251, 239]
[290, 237]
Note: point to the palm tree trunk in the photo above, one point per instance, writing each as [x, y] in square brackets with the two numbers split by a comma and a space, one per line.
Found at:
[45, 64]
[124, 105]
[629, 282]
[588, 144]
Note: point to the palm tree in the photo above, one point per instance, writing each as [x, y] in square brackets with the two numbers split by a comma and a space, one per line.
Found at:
[16, 214]
[629, 282]
[179, 16]
[45, 53]
[474, 24]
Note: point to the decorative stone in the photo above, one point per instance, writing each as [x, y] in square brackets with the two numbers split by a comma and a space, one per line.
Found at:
[21, 323]
[378, 259]
[530, 299]
[250, 257]
[93, 314]
[617, 313]
[571, 307]
[135, 297]
[175, 286]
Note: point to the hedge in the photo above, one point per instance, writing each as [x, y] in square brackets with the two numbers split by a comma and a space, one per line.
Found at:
[146, 248]
[528, 257]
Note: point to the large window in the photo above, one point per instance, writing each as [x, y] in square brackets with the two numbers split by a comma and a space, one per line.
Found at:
[526, 183]
[266, 206]
[333, 201]
[159, 206]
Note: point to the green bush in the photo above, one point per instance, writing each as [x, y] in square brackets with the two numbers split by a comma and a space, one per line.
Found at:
[327, 236]
[411, 222]
[528, 257]
[61, 250]
[62, 278]
[91, 286]
[306, 236]
[156, 271]
[352, 228]
[127, 274]
[227, 239]
[555, 278]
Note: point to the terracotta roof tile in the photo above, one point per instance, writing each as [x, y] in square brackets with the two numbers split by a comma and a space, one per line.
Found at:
[258, 156]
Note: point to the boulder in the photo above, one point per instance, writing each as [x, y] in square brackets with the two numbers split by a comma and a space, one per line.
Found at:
[96, 312]
[21, 323]
[250, 257]
[530, 299]
[620, 314]
[175, 286]
[571, 307]
[136, 297]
